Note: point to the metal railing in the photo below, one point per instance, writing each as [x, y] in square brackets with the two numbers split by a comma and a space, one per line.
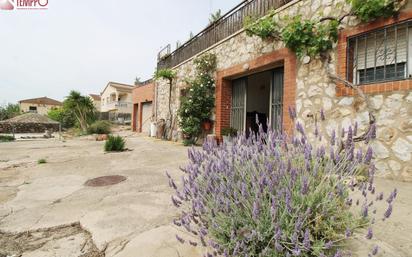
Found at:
[224, 27]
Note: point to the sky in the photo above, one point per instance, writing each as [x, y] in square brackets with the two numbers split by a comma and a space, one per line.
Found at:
[82, 45]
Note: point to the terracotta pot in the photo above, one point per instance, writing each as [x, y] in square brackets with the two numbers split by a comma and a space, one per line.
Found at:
[101, 137]
[207, 125]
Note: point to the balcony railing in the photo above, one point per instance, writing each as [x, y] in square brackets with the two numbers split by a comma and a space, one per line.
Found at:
[224, 27]
[118, 105]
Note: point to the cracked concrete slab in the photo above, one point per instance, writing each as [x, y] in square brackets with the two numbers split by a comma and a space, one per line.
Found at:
[119, 217]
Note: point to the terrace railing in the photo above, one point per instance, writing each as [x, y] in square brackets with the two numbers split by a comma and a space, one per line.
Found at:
[224, 27]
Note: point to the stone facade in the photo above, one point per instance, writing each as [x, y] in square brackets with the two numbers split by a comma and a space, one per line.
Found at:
[392, 106]
[6, 127]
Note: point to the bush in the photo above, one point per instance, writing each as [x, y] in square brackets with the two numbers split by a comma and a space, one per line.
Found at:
[114, 144]
[4, 138]
[232, 132]
[270, 195]
[197, 105]
[41, 161]
[100, 127]
[64, 116]
[9, 111]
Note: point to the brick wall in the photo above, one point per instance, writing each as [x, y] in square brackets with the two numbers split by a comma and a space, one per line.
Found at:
[140, 95]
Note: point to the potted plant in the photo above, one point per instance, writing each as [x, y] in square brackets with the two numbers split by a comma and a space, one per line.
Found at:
[228, 134]
[207, 125]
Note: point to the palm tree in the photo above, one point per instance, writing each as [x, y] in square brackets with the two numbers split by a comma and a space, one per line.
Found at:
[215, 16]
[82, 108]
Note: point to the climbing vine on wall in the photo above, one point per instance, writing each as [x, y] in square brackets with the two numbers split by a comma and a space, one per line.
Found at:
[306, 37]
[372, 9]
[197, 105]
[265, 27]
[313, 37]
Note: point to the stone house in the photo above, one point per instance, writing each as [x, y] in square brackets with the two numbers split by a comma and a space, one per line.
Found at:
[116, 100]
[264, 77]
[41, 105]
[143, 95]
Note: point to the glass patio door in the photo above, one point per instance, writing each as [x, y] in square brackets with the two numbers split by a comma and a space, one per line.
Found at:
[238, 110]
[276, 99]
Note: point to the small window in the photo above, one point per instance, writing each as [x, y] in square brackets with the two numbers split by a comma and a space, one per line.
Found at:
[381, 55]
[32, 108]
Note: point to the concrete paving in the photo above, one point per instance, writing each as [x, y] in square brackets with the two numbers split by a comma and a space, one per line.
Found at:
[132, 218]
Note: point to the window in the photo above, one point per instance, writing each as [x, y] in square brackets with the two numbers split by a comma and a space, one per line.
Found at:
[380, 55]
[33, 109]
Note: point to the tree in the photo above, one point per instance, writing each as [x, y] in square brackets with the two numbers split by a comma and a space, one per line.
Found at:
[64, 116]
[215, 16]
[9, 111]
[82, 108]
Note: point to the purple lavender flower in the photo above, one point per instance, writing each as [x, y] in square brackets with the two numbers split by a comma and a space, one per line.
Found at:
[388, 211]
[333, 138]
[322, 115]
[355, 129]
[375, 250]
[368, 155]
[181, 240]
[306, 240]
[369, 235]
[348, 233]
[379, 197]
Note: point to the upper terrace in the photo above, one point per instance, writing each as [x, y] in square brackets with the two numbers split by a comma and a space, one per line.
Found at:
[224, 27]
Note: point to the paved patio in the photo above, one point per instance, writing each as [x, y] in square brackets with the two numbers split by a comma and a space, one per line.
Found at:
[131, 217]
[64, 217]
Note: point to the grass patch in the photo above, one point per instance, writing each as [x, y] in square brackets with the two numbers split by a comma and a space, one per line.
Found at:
[4, 138]
[41, 161]
[114, 144]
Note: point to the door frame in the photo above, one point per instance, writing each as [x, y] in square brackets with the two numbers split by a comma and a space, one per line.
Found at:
[282, 57]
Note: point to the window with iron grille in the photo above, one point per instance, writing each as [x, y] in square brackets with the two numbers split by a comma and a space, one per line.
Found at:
[380, 55]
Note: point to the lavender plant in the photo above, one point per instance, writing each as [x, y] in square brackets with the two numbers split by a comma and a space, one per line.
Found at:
[270, 194]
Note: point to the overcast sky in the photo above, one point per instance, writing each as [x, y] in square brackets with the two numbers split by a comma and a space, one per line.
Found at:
[78, 44]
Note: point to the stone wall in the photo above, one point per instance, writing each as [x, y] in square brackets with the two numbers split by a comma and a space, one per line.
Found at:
[6, 127]
[316, 91]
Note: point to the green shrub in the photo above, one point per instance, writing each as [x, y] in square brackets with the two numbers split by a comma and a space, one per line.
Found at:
[114, 144]
[64, 116]
[232, 132]
[41, 161]
[196, 106]
[4, 138]
[100, 127]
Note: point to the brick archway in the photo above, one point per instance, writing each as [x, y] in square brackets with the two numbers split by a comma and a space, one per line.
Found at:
[224, 85]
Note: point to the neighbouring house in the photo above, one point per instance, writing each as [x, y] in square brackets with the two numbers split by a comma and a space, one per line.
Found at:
[264, 77]
[41, 105]
[143, 95]
[96, 101]
[116, 101]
